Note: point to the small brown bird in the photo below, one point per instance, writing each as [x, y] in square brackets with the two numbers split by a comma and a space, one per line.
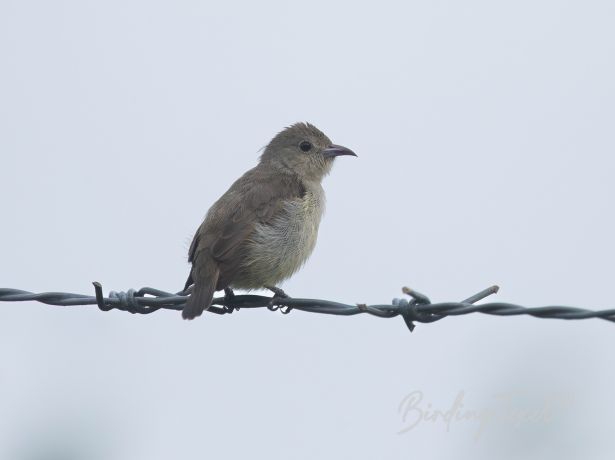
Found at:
[264, 228]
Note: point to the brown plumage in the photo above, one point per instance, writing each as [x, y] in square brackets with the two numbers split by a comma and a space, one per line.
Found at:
[264, 227]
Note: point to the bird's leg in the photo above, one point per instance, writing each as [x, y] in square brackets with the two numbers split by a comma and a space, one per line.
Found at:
[277, 292]
[229, 295]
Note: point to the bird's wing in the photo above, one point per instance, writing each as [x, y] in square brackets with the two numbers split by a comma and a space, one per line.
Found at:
[253, 199]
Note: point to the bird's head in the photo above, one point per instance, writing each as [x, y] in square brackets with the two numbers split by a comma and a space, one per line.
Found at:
[304, 150]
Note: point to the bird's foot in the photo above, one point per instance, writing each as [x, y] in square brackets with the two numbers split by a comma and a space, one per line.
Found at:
[274, 303]
[229, 296]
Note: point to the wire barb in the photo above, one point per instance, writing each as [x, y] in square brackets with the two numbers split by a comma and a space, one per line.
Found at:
[418, 309]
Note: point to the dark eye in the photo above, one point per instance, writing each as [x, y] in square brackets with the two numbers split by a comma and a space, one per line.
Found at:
[305, 146]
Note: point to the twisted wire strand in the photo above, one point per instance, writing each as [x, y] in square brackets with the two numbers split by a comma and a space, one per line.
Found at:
[418, 309]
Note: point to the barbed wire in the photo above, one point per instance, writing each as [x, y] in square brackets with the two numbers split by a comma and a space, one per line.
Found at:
[418, 309]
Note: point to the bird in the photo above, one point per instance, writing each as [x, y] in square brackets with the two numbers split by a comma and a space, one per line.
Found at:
[264, 227]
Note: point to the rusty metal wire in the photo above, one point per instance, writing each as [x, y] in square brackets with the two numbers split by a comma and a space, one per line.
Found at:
[418, 309]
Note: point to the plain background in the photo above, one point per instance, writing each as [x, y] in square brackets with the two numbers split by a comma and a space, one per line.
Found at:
[485, 139]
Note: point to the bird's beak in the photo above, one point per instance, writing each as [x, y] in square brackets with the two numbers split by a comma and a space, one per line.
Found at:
[336, 150]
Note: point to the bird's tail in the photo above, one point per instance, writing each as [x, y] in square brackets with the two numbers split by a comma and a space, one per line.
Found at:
[206, 279]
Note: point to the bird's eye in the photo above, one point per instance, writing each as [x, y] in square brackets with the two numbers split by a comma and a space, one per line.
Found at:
[305, 146]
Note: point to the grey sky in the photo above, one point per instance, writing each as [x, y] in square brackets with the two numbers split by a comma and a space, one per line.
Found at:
[485, 139]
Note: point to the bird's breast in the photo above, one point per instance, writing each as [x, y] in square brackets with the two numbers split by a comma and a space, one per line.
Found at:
[278, 249]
